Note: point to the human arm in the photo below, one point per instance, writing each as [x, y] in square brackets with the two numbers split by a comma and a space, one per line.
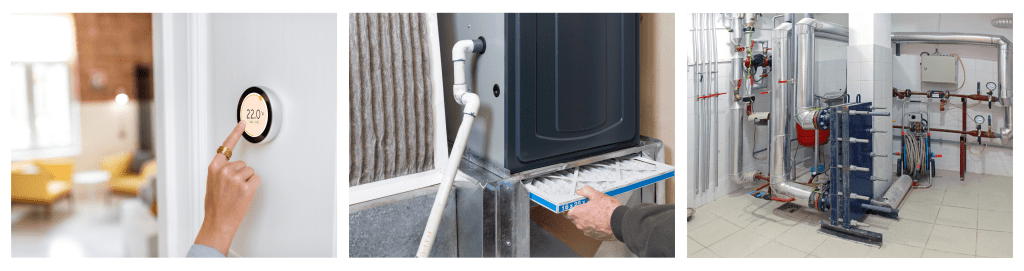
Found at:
[230, 188]
[647, 229]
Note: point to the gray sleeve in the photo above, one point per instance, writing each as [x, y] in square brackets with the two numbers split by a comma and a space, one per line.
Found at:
[201, 251]
[647, 229]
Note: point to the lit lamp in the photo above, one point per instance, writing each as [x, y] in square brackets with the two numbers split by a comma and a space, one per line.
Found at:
[121, 99]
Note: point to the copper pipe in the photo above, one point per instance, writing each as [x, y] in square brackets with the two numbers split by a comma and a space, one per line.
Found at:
[970, 133]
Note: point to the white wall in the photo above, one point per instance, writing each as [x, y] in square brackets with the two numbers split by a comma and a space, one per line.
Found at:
[202, 63]
[294, 55]
[980, 65]
[107, 128]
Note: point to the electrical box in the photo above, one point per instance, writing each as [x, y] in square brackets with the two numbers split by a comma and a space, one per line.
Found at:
[938, 69]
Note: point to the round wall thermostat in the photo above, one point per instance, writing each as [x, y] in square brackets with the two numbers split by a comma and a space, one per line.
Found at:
[261, 111]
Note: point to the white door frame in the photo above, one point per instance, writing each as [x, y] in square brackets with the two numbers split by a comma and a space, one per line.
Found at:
[181, 45]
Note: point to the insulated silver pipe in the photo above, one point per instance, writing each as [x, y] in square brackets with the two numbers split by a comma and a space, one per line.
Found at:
[778, 146]
[834, 37]
[1005, 63]
[805, 32]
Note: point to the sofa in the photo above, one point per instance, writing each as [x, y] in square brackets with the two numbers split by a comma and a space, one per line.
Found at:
[42, 182]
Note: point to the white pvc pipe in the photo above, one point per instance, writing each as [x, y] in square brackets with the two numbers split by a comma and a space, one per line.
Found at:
[471, 103]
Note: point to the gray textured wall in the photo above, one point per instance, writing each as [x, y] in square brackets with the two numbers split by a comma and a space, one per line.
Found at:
[393, 227]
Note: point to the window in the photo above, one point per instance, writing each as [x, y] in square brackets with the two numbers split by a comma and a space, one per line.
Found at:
[43, 112]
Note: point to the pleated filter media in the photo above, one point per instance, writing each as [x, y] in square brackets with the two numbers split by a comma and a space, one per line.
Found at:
[556, 191]
[390, 117]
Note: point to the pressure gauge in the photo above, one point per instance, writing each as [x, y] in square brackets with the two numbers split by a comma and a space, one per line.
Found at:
[979, 119]
[261, 111]
[991, 86]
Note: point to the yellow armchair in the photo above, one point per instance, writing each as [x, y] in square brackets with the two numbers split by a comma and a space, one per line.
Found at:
[45, 186]
[121, 181]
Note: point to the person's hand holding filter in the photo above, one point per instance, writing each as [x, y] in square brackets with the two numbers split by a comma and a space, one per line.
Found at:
[594, 217]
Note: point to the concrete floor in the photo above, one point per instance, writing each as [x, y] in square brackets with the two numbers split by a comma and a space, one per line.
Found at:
[973, 218]
[87, 229]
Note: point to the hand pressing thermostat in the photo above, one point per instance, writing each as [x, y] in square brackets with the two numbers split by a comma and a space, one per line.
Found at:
[261, 111]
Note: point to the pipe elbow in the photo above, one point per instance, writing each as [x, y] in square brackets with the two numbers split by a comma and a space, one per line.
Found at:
[1006, 135]
[471, 103]
[813, 119]
[460, 49]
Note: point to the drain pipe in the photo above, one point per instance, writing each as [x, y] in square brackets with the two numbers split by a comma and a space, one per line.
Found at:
[471, 103]
[1005, 62]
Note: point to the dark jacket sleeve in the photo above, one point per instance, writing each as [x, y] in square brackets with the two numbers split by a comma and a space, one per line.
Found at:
[649, 230]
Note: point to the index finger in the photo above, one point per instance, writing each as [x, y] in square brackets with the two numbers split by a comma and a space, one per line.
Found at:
[235, 134]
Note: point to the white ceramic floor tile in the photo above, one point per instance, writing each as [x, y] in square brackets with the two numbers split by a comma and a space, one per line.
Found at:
[692, 246]
[957, 217]
[772, 226]
[739, 244]
[838, 248]
[995, 221]
[802, 237]
[953, 239]
[712, 232]
[703, 253]
[996, 188]
[893, 250]
[776, 250]
[995, 244]
[995, 203]
[957, 199]
[877, 221]
[919, 211]
[961, 187]
[743, 215]
[699, 219]
[927, 195]
[929, 253]
[908, 232]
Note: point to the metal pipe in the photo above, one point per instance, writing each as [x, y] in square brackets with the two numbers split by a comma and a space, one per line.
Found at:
[704, 102]
[1005, 63]
[778, 146]
[830, 36]
[805, 32]
[714, 84]
[737, 56]
[696, 102]
[789, 17]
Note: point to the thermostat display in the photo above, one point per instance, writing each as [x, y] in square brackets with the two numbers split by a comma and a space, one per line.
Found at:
[260, 110]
